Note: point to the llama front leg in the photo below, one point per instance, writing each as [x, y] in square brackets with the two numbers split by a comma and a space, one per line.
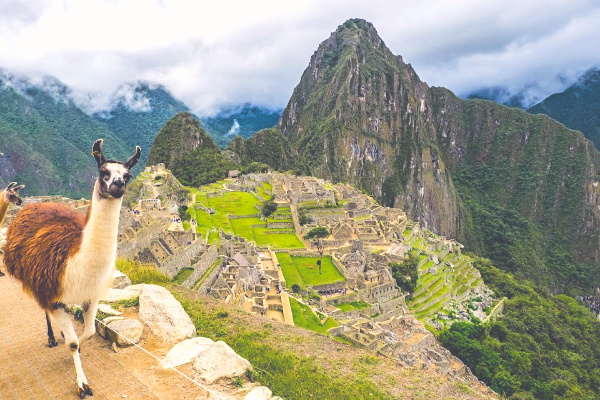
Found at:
[51, 340]
[90, 308]
[65, 324]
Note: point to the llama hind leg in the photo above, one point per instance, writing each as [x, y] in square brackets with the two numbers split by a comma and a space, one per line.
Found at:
[51, 340]
[89, 318]
[65, 324]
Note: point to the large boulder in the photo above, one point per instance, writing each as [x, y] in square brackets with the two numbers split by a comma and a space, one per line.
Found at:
[184, 352]
[164, 315]
[120, 331]
[218, 361]
[101, 325]
[120, 280]
[259, 393]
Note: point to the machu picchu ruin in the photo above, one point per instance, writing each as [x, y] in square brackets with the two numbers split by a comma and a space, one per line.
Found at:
[216, 240]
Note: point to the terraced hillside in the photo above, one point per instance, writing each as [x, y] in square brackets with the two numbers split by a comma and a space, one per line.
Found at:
[449, 287]
[219, 206]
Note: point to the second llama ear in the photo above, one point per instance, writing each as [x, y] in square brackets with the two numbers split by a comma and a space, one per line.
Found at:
[131, 161]
[97, 152]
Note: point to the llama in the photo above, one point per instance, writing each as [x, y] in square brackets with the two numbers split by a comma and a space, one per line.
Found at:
[7, 196]
[62, 257]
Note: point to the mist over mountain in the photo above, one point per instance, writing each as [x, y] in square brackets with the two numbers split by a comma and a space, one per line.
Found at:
[137, 111]
[242, 121]
[525, 95]
[500, 95]
[578, 107]
[45, 139]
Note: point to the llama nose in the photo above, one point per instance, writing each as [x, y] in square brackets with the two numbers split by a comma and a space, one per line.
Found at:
[119, 182]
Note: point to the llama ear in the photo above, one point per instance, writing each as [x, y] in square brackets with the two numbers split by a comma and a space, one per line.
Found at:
[131, 161]
[10, 185]
[97, 152]
[17, 188]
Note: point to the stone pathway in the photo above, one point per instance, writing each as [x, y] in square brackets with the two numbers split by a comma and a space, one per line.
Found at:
[31, 370]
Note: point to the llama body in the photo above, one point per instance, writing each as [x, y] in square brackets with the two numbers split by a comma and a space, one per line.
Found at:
[62, 257]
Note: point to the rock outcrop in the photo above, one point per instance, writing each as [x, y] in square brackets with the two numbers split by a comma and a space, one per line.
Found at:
[164, 315]
[219, 361]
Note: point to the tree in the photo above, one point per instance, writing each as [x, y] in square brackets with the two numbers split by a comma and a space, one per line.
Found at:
[269, 207]
[320, 232]
[303, 218]
[317, 234]
[296, 288]
[406, 273]
[254, 167]
[181, 210]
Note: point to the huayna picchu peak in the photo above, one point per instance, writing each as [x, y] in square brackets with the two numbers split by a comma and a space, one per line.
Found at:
[518, 188]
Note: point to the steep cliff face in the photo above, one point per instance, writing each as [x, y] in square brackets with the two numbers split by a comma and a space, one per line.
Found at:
[518, 188]
[359, 114]
[533, 165]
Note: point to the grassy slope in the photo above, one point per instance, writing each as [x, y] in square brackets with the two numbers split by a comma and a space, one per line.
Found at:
[298, 364]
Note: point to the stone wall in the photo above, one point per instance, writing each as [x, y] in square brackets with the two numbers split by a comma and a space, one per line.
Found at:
[328, 286]
[349, 298]
[280, 225]
[206, 260]
[181, 258]
[210, 280]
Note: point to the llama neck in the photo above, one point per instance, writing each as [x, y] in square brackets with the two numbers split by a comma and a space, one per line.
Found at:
[101, 229]
[3, 207]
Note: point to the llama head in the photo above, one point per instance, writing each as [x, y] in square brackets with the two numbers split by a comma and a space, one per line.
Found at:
[113, 175]
[11, 193]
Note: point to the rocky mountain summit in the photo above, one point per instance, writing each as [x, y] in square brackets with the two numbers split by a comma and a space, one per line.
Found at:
[518, 188]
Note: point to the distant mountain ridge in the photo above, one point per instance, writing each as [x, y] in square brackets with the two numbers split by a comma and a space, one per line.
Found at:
[138, 110]
[500, 95]
[578, 107]
[40, 112]
[45, 139]
[243, 121]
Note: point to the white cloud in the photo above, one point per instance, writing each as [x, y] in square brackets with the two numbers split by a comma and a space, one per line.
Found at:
[235, 128]
[210, 54]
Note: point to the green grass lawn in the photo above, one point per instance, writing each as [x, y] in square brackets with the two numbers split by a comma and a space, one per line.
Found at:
[309, 271]
[262, 194]
[278, 240]
[305, 318]
[182, 275]
[304, 270]
[355, 305]
[213, 237]
[289, 271]
[243, 226]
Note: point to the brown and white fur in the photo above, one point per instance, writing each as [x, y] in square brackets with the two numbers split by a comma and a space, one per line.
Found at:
[8, 196]
[64, 258]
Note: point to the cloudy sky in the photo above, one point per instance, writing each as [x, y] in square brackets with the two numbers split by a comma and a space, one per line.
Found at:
[215, 53]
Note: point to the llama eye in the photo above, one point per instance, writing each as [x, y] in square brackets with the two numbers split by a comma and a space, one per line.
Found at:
[126, 177]
[104, 175]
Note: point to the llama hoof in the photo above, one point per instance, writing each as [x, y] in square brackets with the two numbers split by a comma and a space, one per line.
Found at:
[52, 343]
[88, 390]
[85, 391]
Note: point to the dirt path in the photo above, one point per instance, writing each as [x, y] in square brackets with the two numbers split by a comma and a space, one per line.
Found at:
[30, 370]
